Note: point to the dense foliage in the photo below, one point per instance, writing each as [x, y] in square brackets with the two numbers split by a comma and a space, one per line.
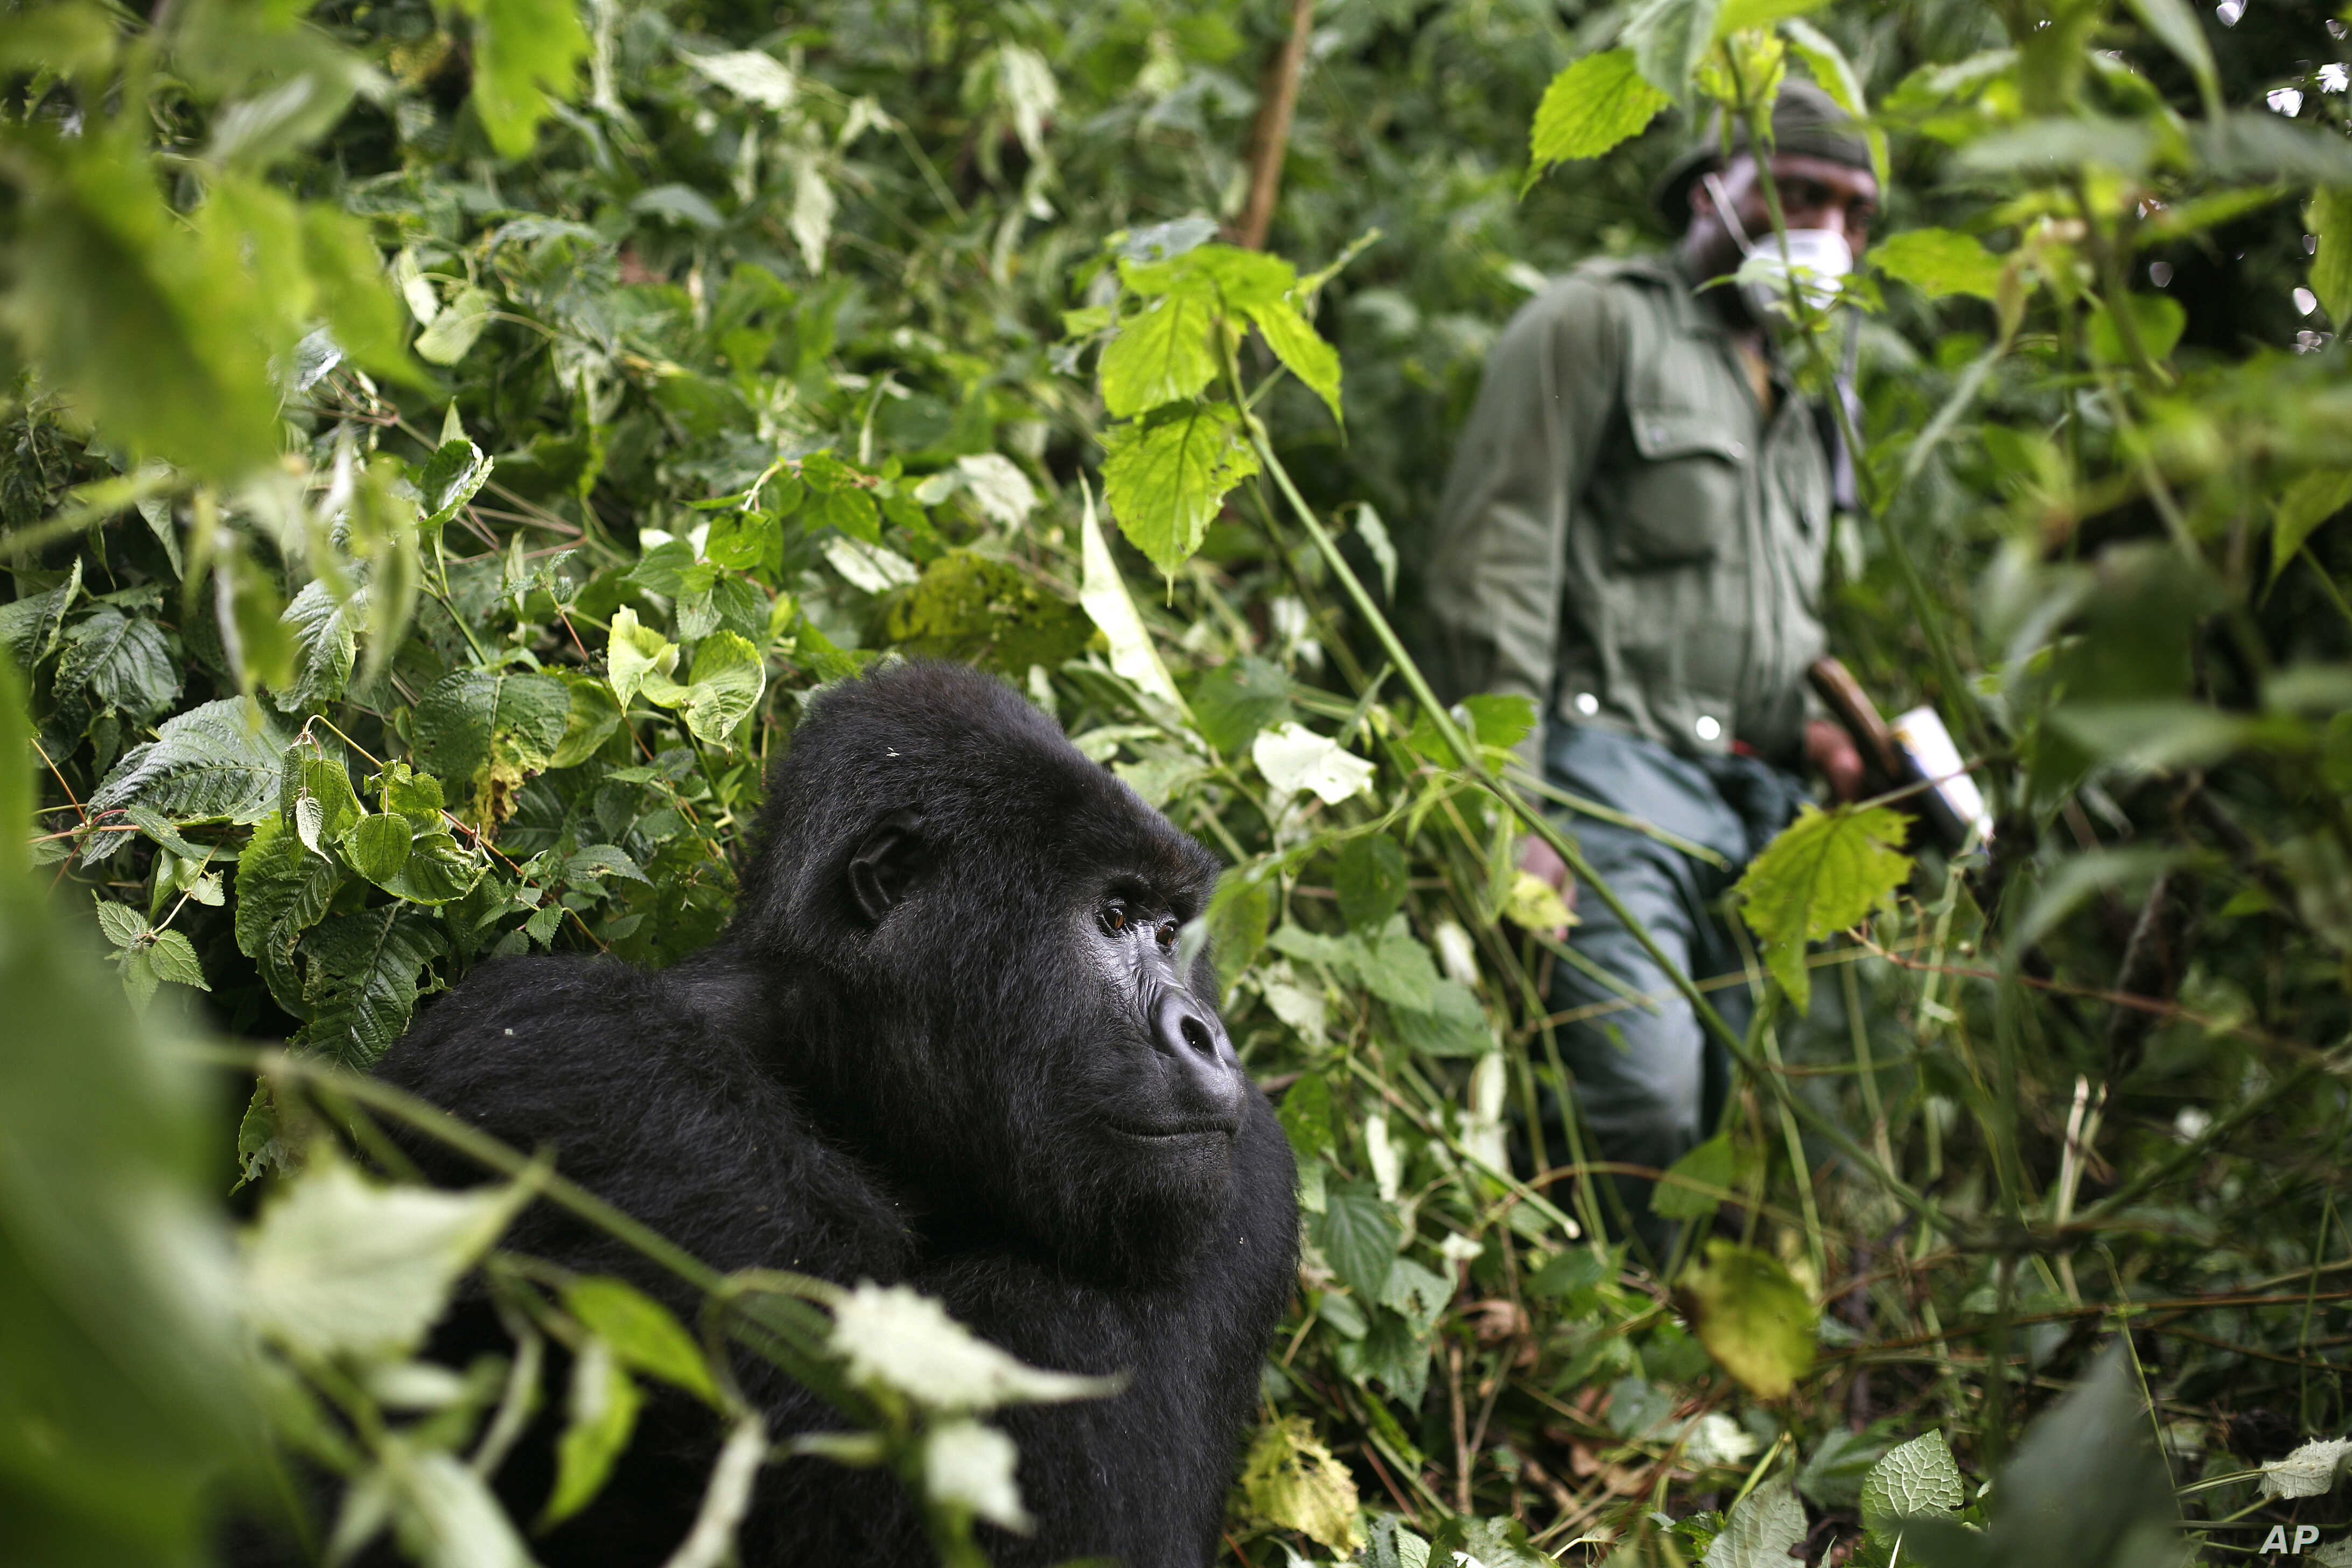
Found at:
[444, 447]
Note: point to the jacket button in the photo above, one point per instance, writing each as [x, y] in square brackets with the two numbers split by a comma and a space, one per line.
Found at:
[1708, 728]
[1587, 704]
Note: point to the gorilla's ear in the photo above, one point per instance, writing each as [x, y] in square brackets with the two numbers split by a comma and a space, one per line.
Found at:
[886, 864]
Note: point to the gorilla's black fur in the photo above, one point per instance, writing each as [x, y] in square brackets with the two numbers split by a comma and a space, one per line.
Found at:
[944, 1042]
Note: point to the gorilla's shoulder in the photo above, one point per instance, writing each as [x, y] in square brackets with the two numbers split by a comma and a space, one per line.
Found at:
[536, 1043]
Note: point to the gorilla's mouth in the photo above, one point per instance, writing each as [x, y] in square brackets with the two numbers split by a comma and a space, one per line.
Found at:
[1169, 1131]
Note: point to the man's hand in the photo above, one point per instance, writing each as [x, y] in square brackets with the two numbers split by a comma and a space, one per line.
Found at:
[1831, 751]
[1541, 859]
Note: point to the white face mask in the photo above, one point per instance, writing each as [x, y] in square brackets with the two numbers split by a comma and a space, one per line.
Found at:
[1816, 259]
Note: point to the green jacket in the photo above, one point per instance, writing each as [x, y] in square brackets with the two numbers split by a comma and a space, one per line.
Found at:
[1623, 537]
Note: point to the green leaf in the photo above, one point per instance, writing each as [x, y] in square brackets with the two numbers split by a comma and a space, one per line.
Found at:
[377, 846]
[642, 1332]
[121, 924]
[338, 1265]
[1369, 877]
[1302, 350]
[1239, 698]
[460, 717]
[603, 860]
[588, 723]
[1494, 1542]
[1358, 1232]
[1238, 913]
[1305, 1114]
[2158, 320]
[1738, 15]
[1714, 1163]
[1753, 1316]
[1164, 354]
[2330, 217]
[1822, 874]
[639, 659]
[728, 679]
[1762, 1528]
[1164, 477]
[604, 1411]
[326, 642]
[2308, 502]
[162, 343]
[457, 327]
[1452, 1024]
[364, 973]
[1939, 262]
[416, 796]
[215, 763]
[282, 890]
[1590, 108]
[2177, 28]
[1668, 38]
[1914, 1481]
[2086, 1484]
[438, 871]
[315, 794]
[525, 52]
[452, 474]
[173, 957]
[122, 663]
[1292, 1481]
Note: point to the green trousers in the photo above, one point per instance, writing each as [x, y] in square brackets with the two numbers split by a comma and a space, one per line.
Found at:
[1650, 1081]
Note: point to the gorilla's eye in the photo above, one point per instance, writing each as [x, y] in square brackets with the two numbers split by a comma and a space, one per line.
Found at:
[1114, 919]
[1166, 933]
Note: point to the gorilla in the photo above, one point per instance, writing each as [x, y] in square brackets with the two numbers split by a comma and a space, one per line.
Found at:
[945, 1041]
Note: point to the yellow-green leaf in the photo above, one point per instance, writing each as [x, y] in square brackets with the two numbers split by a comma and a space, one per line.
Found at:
[642, 1332]
[1166, 476]
[1293, 1482]
[603, 1413]
[524, 51]
[1165, 354]
[1302, 350]
[1825, 872]
[1591, 106]
[1753, 1316]
[1938, 262]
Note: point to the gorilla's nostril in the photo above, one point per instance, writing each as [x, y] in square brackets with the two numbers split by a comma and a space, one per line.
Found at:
[1197, 1035]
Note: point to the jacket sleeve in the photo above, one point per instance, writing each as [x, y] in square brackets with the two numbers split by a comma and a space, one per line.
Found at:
[1523, 459]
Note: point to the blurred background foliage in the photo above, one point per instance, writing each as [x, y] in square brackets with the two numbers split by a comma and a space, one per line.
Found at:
[444, 446]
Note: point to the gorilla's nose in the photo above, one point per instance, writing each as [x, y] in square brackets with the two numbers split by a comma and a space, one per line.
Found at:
[1207, 1076]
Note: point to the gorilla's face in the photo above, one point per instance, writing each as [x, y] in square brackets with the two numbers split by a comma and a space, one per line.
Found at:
[1171, 1097]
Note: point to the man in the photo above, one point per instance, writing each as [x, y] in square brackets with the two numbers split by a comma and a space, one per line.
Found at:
[1633, 536]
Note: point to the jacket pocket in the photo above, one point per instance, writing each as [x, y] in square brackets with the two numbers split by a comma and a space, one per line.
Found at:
[1682, 496]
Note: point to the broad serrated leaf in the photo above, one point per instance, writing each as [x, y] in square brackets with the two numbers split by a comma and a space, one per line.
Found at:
[121, 661]
[1302, 351]
[459, 718]
[642, 1332]
[215, 763]
[2312, 1470]
[1916, 1480]
[588, 723]
[604, 1411]
[121, 924]
[1939, 262]
[601, 860]
[524, 53]
[376, 845]
[338, 1265]
[1591, 106]
[728, 680]
[1163, 355]
[326, 643]
[1753, 1316]
[173, 957]
[1358, 1232]
[1668, 38]
[1368, 876]
[458, 327]
[1762, 1528]
[282, 890]
[1165, 476]
[1822, 874]
[1292, 1481]
[452, 474]
[364, 971]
